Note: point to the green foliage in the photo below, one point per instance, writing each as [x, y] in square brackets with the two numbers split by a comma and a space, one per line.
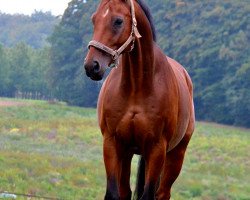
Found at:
[32, 30]
[4, 72]
[23, 69]
[19, 65]
[39, 65]
[67, 42]
[24, 55]
[56, 151]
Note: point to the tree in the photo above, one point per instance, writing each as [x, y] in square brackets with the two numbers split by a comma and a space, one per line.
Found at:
[239, 97]
[68, 47]
[32, 30]
[4, 73]
[39, 66]
[19, 60]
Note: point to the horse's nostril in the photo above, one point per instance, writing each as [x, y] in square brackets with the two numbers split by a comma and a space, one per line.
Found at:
[96, 67]
[85, 65]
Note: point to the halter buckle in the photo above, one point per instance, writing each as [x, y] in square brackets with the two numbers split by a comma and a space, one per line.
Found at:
[116, 55]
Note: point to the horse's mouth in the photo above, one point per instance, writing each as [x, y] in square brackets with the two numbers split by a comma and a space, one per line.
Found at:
[94, 77]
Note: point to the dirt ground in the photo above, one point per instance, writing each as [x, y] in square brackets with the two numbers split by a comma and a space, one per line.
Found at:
[11, 103]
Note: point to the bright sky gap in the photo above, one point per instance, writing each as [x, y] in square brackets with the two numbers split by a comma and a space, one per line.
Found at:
[27, 7]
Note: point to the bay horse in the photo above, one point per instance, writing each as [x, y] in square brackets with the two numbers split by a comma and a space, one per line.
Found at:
[145, 106]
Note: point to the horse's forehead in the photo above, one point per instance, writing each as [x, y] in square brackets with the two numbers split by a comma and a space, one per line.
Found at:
[105, 3]
[110, 4]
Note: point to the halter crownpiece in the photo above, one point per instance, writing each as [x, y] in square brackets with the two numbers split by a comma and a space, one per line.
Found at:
[116, 53]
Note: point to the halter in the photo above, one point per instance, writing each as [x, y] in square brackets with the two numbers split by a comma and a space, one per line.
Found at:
[115, 54]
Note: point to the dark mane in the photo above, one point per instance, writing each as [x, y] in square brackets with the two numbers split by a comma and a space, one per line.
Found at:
[147, 12]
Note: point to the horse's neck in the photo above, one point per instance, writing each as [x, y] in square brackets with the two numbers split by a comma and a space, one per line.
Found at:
[138, 67]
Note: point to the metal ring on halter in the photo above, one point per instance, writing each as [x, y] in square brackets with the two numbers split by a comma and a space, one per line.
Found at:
[116, 55]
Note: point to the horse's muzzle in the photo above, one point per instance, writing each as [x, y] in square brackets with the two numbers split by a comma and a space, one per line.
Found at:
[94, 70]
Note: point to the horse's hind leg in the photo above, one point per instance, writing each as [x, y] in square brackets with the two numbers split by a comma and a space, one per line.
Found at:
[172, 168]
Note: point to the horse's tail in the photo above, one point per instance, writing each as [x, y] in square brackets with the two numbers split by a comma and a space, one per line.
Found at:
[140, 182]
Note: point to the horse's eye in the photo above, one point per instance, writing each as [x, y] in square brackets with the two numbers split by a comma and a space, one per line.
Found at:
[118, 22]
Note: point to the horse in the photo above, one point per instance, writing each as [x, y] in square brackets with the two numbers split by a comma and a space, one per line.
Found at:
[145, 105]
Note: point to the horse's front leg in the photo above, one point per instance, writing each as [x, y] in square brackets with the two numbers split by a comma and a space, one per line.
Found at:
[117, 163]
[112, 166]
[154, 157]
[124, 186]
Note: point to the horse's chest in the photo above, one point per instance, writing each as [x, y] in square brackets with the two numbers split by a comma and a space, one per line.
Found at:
[134, 126]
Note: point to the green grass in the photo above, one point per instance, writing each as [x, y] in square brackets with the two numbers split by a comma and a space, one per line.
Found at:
[56, 151]
[217, 165]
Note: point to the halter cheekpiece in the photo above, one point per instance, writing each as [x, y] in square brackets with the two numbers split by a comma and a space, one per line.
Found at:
[115, 54]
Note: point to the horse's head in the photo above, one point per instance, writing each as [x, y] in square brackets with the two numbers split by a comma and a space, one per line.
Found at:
[114, 34]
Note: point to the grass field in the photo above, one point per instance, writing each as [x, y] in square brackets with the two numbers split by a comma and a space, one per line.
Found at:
[55, 151]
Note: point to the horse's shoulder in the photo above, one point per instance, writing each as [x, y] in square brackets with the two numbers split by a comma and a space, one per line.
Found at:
[175, 65]
[181, 73]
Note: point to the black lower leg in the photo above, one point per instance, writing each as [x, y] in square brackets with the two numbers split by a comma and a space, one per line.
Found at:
[149, 192]
[112, 190]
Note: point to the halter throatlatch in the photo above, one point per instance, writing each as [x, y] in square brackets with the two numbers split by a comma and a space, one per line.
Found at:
[115, 54]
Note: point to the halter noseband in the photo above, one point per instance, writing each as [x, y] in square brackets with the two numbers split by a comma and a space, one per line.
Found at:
[116, 53]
